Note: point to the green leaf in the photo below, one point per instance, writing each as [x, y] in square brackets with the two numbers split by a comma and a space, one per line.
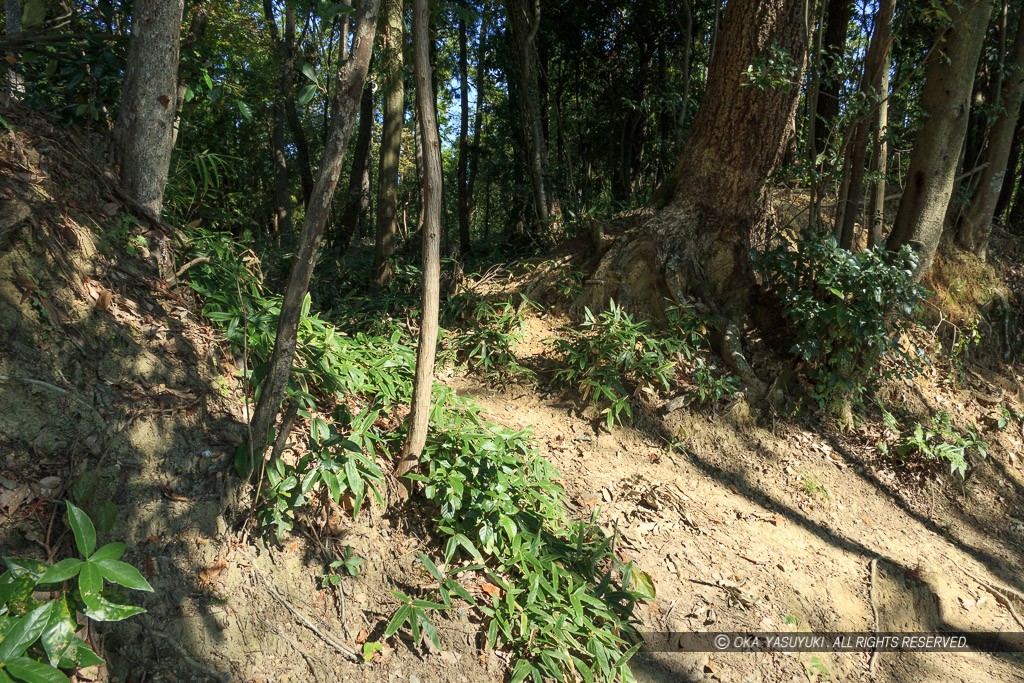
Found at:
[78, 655]
[107, 609]
[245, 109]
[33, 14]
[62, 571]
[85, 532]
[90, 584]
[306, 94]
[309, 71]
[429, 629]
[111, 551]
[34, 672]
[104, 516]
[58, 636]
[24, 632]
[643, 584]
[397, 621]
[371, 647]
[123, 574]
[431, 567]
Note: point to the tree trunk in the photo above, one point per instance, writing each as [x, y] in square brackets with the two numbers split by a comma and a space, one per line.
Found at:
[358, 206]
[348, 89]
[481, 85]
[836, 27]
[431, 181]
[290, 110]
[144, 131]
[1010, 181]
[714, 201]
[875, 61]
[879, 159]
[976, 225]
[13, 27]
[196, 28]
[949, 77]
[393, 91]
[282, 189]
[463, 169]
[523, 23]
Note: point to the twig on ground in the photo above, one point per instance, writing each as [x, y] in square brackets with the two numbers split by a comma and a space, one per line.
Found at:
[874, 610]
[1000, 591]
[330, 640]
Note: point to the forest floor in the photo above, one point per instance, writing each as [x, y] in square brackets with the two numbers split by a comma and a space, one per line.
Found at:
[112, 387]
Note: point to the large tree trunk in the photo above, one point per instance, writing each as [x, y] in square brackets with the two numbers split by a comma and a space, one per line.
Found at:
[945, 100]
[871, 88]
[348, 89]
[976, 225]
[715, 200]
[523, 23]
[144, 131]
[463, 170]
[431, 183]
[393, 97]
[358, 207]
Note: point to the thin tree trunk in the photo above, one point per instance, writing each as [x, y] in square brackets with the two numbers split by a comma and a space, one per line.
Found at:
[392, 95]
[462, 179]
[358, 205]
[871, 87]
[523, 23]
[945, 99]
[420, 409]
[879, 158]
[13, 26]
[836, 27]
[481, 86]
[144, 131]
[349, 87]
[976, 225]
[282, 189]
[196, 28]
[291, 110]
[1012, 166]
[684, 96]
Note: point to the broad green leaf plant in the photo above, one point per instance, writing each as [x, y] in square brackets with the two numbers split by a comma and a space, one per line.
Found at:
[37, 639]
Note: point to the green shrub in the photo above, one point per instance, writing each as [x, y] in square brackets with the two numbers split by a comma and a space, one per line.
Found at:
[486, 338]
[838, 305]
[37, 639]
[939, 442]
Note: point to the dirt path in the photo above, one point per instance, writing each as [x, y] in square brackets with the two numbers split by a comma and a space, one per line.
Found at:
[747, 529]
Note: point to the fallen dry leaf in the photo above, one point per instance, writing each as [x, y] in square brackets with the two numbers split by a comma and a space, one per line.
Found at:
[210, 573]
[491, 590]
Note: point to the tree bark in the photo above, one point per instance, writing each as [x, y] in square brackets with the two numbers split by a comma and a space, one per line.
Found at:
[291, 111]
[282, 186]
[144, 131]
[976, 224]
[523, 23]
[714, 201]
[836, 27]
[358, 207]
[481, 85]
[420, 409]
[462, 179]
[349, 86]
[871, 88]
[879, 158]
[1010, 181]
[949, 77]
[13, 26]
[393, 97]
